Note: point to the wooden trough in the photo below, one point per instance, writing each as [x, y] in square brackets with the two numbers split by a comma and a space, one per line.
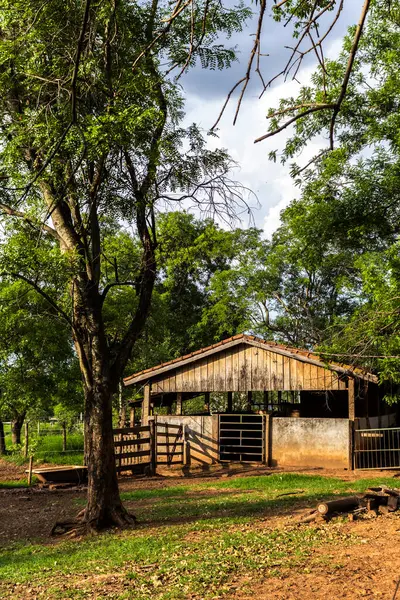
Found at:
[67, 474]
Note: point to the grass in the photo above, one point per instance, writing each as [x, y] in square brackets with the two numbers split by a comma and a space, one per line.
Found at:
[216, 534]
[16, 484]
[48, 449]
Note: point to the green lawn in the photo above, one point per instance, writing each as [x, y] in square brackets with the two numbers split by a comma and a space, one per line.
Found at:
[192, 542]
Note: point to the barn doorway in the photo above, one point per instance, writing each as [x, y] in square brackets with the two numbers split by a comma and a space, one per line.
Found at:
[241, 438]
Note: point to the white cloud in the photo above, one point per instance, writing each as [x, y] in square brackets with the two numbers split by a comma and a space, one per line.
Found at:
[270, 181]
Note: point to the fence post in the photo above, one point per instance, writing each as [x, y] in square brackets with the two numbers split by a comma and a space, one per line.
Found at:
[38, 428]
[26, 445]
[184, 447]
[121, 449]
[153, 447]
[64, 434]
[30, 470]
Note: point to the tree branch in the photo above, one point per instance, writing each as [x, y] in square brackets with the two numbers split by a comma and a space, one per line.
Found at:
[45, 295]
[79, 51]
[109, 286]
[313, 109]
[21, 215]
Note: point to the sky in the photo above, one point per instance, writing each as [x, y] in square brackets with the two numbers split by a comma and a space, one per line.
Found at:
[206, 92]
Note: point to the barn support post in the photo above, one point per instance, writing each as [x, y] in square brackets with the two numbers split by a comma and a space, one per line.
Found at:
[249, 401]
[352, 426]
[351, 399]
[153, 446]
[230, 402]
[146, 404]
[179, 403]
[352, 416]
[265, 399]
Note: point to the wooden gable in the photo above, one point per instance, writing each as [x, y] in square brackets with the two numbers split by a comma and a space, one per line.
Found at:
[246, 367]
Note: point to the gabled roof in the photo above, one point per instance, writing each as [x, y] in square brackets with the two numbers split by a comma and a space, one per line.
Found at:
[251, 340]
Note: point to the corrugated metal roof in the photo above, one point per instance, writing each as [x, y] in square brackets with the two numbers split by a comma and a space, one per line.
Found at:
[306, 355]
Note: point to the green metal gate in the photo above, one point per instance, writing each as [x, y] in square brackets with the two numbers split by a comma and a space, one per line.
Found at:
[242, 438]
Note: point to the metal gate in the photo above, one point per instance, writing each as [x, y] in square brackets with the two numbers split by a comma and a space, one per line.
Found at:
[377, 448]
[241, 438]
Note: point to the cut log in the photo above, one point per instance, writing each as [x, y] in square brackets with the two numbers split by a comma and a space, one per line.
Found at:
[391, 492]
[372, 503]
[392, 503]
[341, 505]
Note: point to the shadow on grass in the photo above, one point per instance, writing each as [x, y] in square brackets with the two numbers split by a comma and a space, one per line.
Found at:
[225, 508]
[241, 498]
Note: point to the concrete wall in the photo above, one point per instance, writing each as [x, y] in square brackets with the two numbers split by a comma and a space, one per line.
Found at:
[298, 442]
[293, 442]
[201, 436]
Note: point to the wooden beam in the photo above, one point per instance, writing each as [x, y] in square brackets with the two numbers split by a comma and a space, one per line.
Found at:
[351, 399]
[146, 405]
[230, 402]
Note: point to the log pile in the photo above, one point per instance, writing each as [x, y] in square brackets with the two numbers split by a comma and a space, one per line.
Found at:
[376, 500]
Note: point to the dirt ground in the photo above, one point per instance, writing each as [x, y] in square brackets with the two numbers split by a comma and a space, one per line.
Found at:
[368, 568]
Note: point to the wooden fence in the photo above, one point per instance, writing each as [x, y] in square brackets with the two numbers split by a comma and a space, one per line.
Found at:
[134, 449]
[140, 449]
[170, 444]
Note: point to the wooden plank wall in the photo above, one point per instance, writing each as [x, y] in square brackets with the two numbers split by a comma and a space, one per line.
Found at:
[244, 368]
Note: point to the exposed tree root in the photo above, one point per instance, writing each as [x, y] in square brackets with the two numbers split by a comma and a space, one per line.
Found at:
[84, 525]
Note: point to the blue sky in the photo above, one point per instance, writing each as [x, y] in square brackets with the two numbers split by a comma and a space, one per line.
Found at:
[206, 92]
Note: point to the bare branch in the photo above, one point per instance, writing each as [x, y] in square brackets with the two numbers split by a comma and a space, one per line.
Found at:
[255, 51]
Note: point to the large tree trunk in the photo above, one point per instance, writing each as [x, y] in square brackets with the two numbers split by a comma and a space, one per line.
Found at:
[104, 507]
[16, 428]
[3, 449]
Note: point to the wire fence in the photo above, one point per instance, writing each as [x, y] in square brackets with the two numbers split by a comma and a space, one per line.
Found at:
[49, 441]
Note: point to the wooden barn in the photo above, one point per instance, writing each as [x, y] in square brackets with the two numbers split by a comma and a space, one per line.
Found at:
[272, 403]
